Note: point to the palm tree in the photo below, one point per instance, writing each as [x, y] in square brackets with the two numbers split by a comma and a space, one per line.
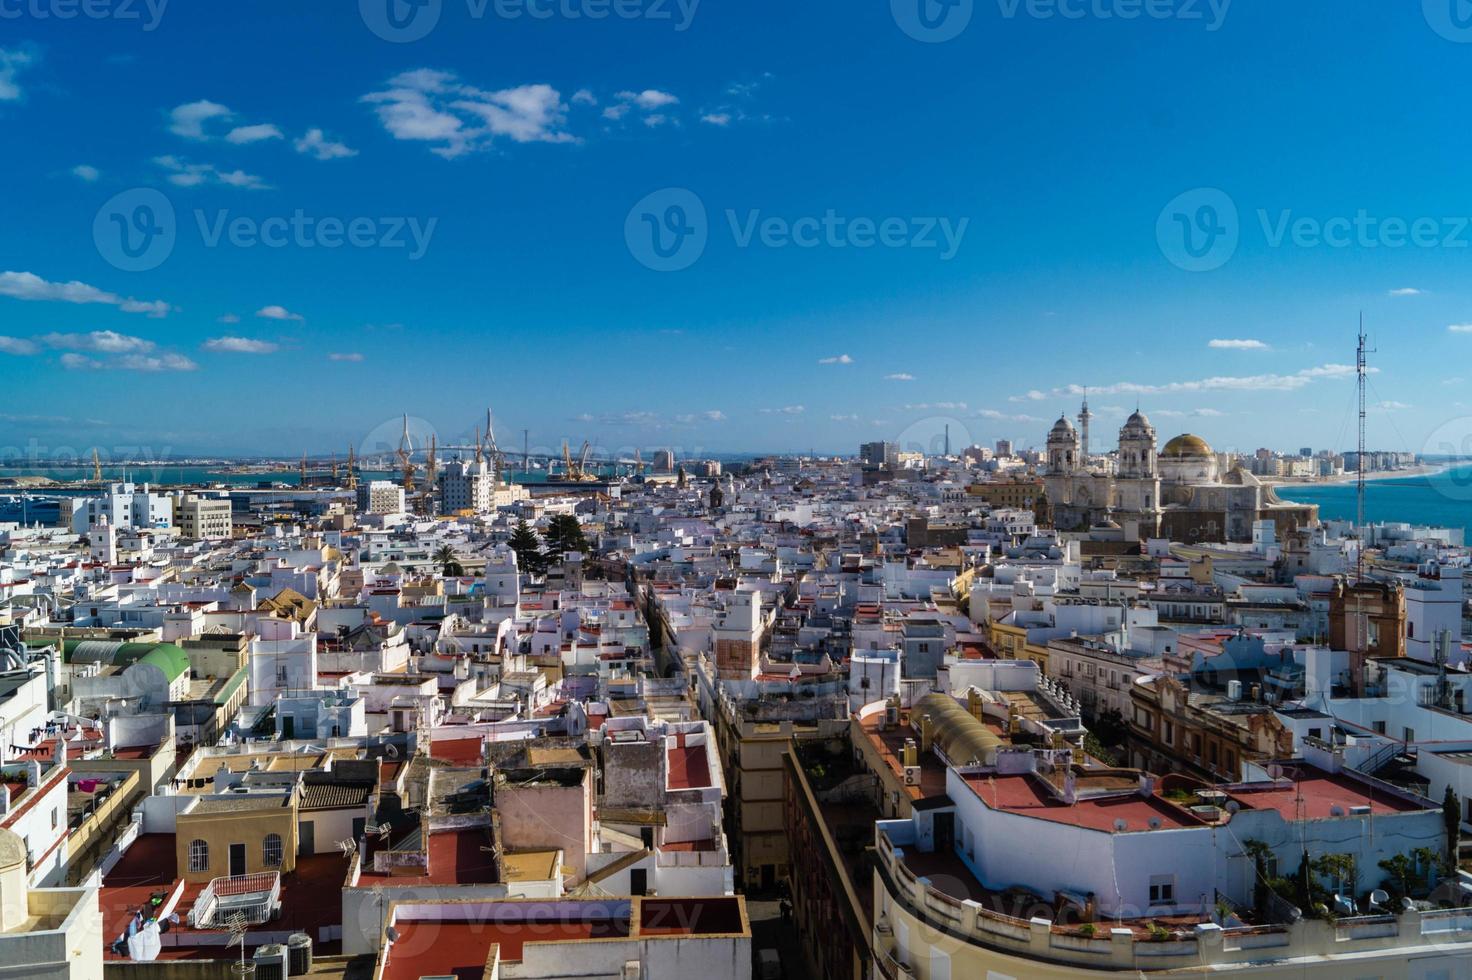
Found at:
[449, 564]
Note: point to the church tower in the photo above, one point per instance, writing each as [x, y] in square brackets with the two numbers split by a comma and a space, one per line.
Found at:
[1063, 449]
[1084, 418]
[1137, 449]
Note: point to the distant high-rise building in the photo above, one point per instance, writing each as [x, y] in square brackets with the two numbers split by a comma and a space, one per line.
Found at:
[1004, 448]
[467, 485]
[381, 497]
[1306, 452]
[884, 455]
[664, 461]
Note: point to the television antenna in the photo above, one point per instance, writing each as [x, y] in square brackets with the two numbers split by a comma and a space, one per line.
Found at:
[236, 924]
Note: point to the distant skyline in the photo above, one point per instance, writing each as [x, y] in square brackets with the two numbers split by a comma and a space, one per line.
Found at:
[729, 228]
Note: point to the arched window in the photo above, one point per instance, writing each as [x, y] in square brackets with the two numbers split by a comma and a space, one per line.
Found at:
[271, 851]
[199, 856]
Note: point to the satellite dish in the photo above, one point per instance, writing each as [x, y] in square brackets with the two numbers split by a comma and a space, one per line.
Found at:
[392, 934]
[1120, 825]
[392, 751]
[1233, 806]
[1154, 823]
[1275, 771]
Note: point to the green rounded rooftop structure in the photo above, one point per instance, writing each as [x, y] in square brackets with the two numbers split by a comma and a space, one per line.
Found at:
[167, 657]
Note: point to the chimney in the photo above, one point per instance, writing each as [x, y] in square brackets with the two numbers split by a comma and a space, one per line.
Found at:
[926, 733]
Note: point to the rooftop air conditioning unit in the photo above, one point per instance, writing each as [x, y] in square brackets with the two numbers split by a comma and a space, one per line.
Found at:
[270, 962]
[631, 971]
[299, 953]
[912, 775]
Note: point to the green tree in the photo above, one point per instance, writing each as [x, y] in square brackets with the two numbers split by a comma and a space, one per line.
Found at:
[1110, 727]
[565, 534]
[528, 547]
[449, 565]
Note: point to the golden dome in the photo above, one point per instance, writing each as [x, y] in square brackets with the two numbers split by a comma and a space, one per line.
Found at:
[1186, 445]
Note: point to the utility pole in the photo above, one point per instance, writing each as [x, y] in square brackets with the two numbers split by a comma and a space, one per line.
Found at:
[1361, 363]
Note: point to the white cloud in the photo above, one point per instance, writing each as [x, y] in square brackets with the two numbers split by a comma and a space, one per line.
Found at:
[902, 376]
[186, 174]
[785, 410]
[159, 362]
[649, 99]
[98, 341]
[1406, 291]
[655, 121]
[29, 286]
[717, 118]
[1460, 327]
[16, 345]
[352, 356]
[616, 112]
[239, 345]
[1238, 345]
[229, 318]
[84, 172]
[1393, 406]
[937, 407]
[688, 418]
[277, 313]
[316, 144]
[996, 416]
[1255, 382]
[11, 63]
[837, 359]
[1031, 396]
[253, 134]
[435, 107]
[843, 418]
[79, 362]
[583, 97]
[188, 120]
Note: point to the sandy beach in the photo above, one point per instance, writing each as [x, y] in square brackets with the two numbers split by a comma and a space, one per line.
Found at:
[1426, 469]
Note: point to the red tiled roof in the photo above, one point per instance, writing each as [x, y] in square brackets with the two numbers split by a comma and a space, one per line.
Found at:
[688, 765]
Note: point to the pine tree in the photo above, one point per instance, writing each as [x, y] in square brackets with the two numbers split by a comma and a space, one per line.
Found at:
[528, 548]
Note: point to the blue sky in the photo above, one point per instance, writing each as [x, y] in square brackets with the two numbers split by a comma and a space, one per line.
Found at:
[1058, 153]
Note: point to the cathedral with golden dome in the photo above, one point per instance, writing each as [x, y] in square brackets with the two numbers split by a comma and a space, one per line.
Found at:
[1178, 492]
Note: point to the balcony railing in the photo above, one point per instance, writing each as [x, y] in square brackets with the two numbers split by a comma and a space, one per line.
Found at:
[253, 897]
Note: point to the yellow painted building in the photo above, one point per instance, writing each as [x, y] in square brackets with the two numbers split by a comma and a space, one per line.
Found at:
[234, 834]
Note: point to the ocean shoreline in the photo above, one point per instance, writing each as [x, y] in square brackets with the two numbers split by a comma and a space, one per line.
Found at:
[1431, 469]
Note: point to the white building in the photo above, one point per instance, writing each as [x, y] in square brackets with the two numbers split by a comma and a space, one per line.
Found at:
[201, 518]
[381, 497]
[124, 506]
